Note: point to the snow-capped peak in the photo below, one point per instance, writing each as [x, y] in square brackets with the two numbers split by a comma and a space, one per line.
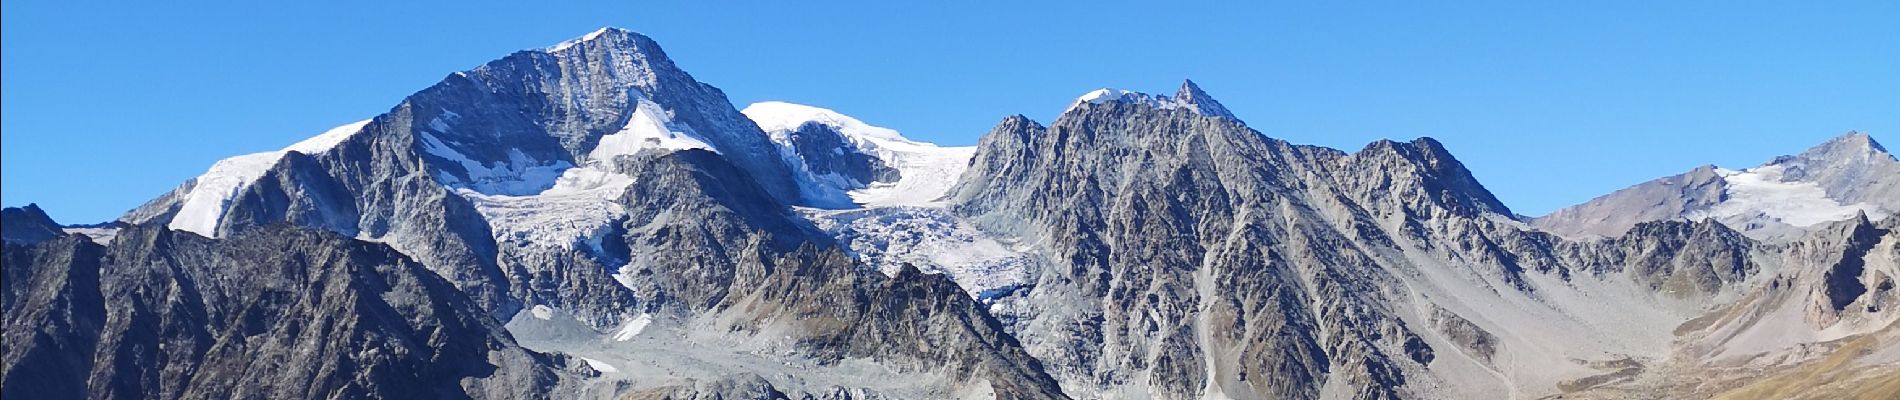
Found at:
[1765, 192]
[328, 139]
[1103, 95]
[590, 36]
[780, 118]
[925, 170]
[1189, 97]
[200, 210]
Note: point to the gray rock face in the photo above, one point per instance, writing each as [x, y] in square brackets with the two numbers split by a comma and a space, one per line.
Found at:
[1658, 200]
[28, 225]
[554, 106]
[1473, 338]
[1824, 319]
[712, 243]
[54, 314]
[1852, 168]
[273, 312]
[1686, 259]
[1199, 101]
[922, 322]
[1852, 271]
[1191, 257]
[825, 152]
[1777, 200]
[1187, 256]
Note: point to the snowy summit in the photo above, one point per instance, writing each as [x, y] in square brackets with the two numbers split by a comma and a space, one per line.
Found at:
[778, 118]
[1189, 97]
[925, 171]
[589, 36]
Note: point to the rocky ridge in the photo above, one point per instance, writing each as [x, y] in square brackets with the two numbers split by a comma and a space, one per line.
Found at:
[642, 238]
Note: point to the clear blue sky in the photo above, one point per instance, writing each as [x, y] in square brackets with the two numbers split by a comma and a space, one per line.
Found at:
[107, 105]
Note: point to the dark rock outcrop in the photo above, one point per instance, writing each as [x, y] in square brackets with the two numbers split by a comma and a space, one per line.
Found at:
[28, 225]
[273, 312]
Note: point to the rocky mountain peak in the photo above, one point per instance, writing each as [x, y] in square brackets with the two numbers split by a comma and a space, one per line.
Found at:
[1193, 97]
[1018, 120]
[605, 36]
[1852, 150]
[27, 225]
[587, 101]
[1189, 97]
[1438, 172]
[1853, 145]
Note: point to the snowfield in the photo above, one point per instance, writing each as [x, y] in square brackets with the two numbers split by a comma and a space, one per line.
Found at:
[933, 241]
[1762, 191]
[926, 170]
[211, 193]
[903, 222]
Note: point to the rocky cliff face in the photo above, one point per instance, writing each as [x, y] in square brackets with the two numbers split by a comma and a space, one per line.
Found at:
[827, 157]
[271, 312]
[28, 225]
[1205, 259]
[1184, 246]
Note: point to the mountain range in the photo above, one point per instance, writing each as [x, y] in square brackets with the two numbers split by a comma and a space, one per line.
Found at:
[587, 220]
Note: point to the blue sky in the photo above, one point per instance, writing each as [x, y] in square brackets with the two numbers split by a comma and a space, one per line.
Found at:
[1550, 104]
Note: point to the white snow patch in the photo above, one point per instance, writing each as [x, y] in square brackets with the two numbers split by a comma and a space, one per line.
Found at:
[925, 175]
[520, 175]
[649, 127]
[781, 118]
[625, 275]
[102, 236]
[633, 328]
[599, 365]
[542, 312]
[1105, 95]
[564, 45]
[578, 209]
[211, 193]
[1761, 191]
[328, 139]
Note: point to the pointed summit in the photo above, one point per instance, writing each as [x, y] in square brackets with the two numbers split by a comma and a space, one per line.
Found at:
[1191, 96]
[609, 33]
[1852, 153]
[1851, 143]
[27, 225]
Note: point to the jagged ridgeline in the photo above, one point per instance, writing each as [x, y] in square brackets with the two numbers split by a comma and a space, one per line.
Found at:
[589, 221]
